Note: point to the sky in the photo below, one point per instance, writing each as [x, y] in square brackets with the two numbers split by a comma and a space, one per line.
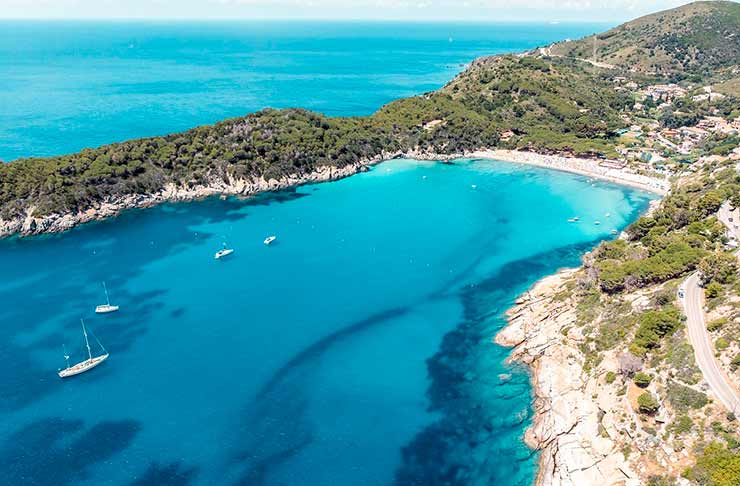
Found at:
[484, 10]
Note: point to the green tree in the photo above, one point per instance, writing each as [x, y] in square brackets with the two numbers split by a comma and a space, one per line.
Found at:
[710, 202]
[647, 403]
[654, 325]
[716, 466]
[718, 267]
[713, 290]
[642, 379]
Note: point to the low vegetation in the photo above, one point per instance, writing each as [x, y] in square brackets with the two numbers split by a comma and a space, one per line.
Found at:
[717, 465]
[647, 403]
[683, 43]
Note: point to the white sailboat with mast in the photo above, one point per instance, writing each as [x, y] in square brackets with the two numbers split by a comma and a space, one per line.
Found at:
[106, 308]
[91, 361]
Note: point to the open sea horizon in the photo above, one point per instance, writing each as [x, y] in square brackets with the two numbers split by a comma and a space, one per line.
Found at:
[68, 85]
[355, 350]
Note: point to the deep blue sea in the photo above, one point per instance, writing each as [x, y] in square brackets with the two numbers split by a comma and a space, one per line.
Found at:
[69, 85]
[355, 350]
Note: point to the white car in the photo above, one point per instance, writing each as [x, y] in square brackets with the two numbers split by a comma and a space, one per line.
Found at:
[681, 293]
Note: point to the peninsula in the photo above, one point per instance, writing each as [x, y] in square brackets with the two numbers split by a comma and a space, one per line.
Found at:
[653, 103]
[547, 101]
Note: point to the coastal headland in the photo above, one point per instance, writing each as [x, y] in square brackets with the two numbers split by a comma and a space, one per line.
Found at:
[652, 104]
[30, 224]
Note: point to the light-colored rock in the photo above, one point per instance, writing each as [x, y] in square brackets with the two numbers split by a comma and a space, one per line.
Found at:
[53, 223]
[566, 427]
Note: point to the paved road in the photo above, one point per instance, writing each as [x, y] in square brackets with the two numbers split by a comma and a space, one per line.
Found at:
[693, 303]
[725, 216]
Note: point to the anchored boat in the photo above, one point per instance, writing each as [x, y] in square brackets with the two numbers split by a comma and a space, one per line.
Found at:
[269, 240]
[223, 252]
[106, 308]
[91, 361]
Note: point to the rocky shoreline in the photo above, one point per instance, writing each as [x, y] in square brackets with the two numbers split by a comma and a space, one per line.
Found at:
[28, 224]
[573, 424]
[567, 423]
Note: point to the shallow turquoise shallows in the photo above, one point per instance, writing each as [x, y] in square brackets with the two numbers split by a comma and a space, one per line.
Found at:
[355, 350]
[69, 85]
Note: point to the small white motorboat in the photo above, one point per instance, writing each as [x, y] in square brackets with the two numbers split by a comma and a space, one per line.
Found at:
[270, 239]
[597, 223]
[574, 220]
[106, 308]
[615, 232]
[91, 361]
[474, 186]
[223, 252]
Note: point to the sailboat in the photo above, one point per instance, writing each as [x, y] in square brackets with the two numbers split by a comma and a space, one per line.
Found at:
[106, 308]
[223, 252]
[91, 361]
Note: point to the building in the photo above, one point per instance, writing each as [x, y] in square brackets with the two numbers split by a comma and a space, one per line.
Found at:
[664, 92]
[710, 97]
[693, 133]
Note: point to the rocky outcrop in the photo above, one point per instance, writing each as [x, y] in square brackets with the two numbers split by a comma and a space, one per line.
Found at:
[571, 426]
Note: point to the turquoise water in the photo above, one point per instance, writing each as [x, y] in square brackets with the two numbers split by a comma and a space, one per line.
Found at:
[69, 85]
[354, 350]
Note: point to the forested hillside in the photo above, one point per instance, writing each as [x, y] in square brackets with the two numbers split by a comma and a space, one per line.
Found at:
[549, 105]
[698, 38]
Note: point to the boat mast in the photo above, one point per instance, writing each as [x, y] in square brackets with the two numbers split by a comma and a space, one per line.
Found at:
[107, 299]
[66, 356]
[87, 343]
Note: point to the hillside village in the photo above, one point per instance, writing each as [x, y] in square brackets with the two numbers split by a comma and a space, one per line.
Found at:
[694, 130]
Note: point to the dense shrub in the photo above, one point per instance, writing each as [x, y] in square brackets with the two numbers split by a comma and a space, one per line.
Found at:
[716, 324]
[682, 398]
[713, 290]
[716, 466]
[647, 403]
[654, 325]
[718, 267]
[676, 259]
[642, 379]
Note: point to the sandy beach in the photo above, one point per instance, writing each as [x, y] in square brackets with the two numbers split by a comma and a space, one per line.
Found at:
[575, 165]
